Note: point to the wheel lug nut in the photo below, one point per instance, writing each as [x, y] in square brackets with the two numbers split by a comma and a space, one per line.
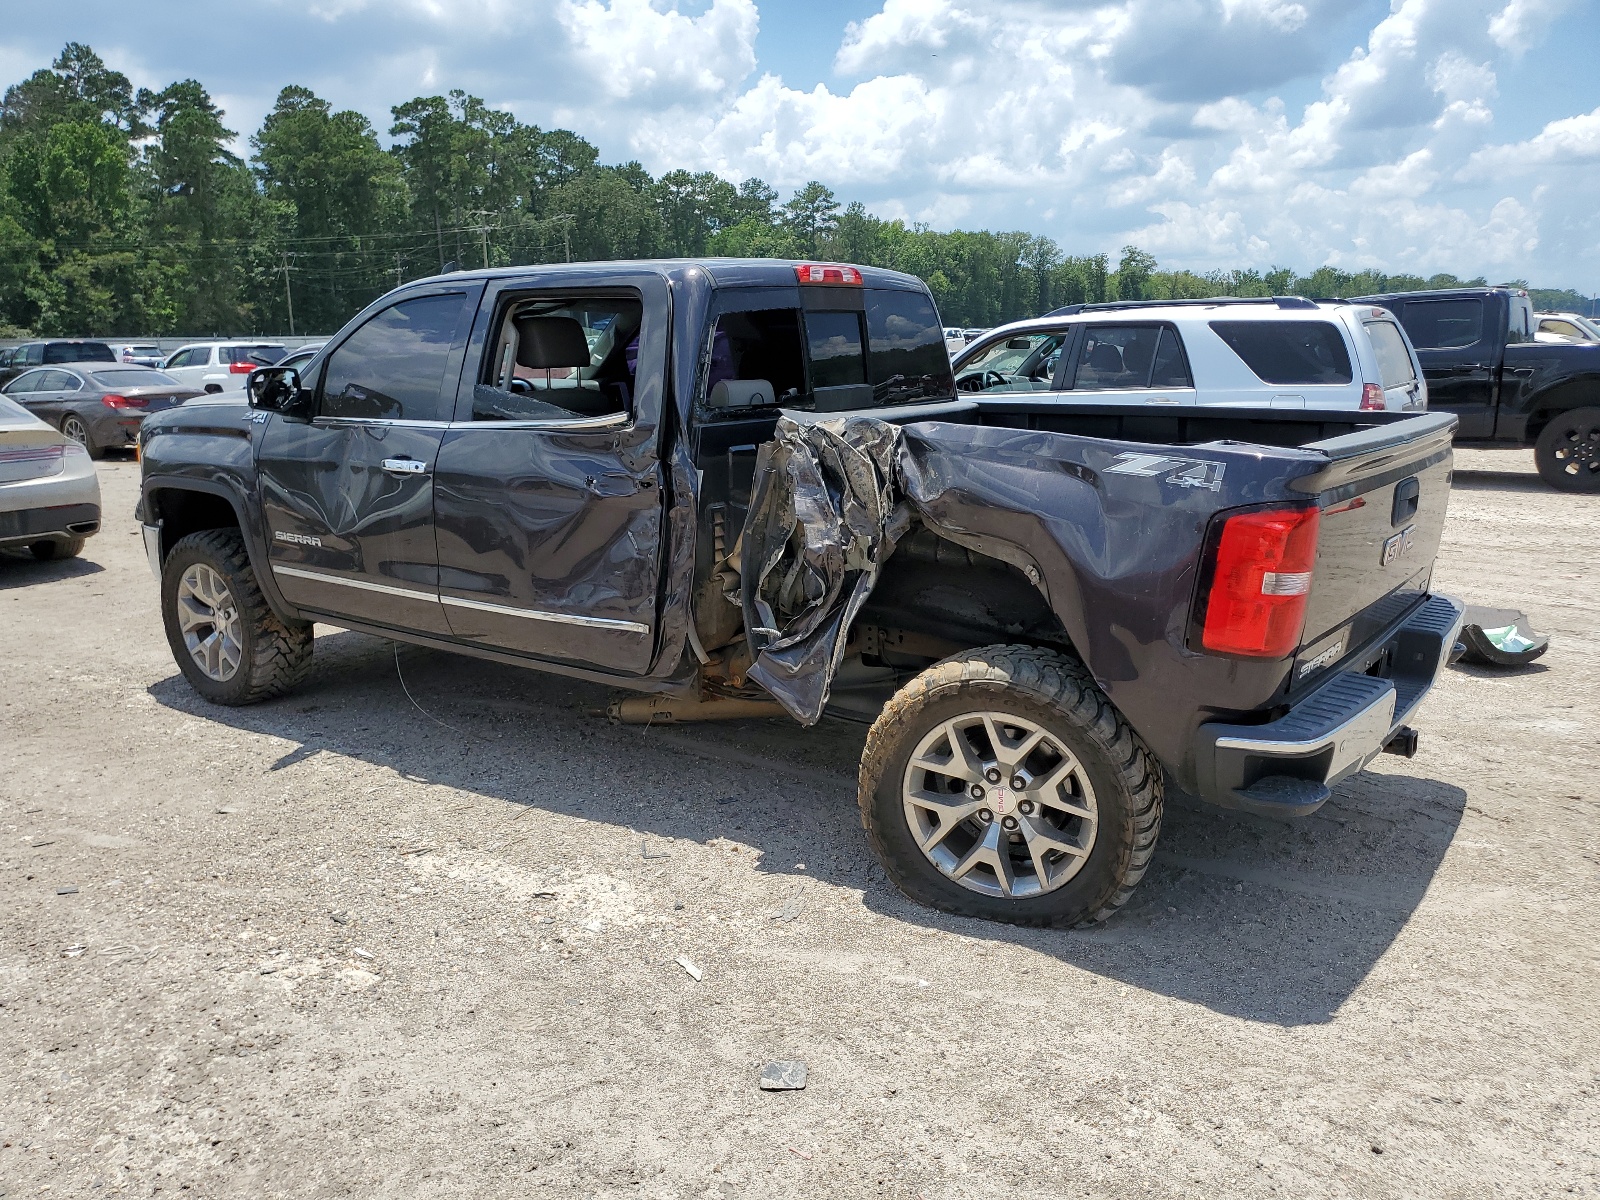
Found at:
[985, 815]
[1009, 822]
[976, 791]
[992, 774]
[1018, 784]
[1025, 807]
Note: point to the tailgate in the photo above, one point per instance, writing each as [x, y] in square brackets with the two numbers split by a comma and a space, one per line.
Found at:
[1383, 499]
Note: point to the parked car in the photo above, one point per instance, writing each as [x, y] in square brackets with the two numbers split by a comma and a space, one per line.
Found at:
[99, 407]
[47, 353]
[218, 366]
[1571, 327]
[49, 493]
[1041, 608]
[972, 335]
[141, 354]
[296, 358]
[1509, 391]
[1280, 352]
[955, 341]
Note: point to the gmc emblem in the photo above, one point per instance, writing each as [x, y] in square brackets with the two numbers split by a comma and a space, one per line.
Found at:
[1398, 546]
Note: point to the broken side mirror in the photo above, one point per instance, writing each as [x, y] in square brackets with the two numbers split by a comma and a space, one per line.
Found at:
[277, 389]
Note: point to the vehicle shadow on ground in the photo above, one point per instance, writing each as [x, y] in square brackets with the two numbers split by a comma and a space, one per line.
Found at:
[18, 568]
[1271, 921]
[1498, 481]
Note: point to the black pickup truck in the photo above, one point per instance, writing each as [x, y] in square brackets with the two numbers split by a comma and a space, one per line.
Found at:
[1481, 362]
[744, 487]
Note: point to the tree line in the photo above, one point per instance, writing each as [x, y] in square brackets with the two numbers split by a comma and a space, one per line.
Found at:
[126, 212]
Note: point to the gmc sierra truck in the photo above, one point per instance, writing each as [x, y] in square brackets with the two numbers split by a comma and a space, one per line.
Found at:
[1482, 363]
[751, 487]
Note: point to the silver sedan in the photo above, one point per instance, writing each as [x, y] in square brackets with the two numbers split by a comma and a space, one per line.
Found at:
[49, 492]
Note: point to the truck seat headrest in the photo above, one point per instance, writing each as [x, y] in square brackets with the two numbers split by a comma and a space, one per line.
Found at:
[544, 343]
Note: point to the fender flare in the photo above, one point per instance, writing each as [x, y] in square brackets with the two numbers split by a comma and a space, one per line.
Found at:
[255, 547]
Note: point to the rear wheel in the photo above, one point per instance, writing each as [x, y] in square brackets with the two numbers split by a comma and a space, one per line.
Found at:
[229, 644]
[1568, 451]
[1003, 784]
[75, 428]
[53, 548]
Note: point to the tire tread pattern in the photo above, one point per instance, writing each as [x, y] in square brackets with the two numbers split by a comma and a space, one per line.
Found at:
[1058, 682]
[280, 657]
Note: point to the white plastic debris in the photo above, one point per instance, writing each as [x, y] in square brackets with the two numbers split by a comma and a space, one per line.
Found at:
[694, 971]
[783, 1075]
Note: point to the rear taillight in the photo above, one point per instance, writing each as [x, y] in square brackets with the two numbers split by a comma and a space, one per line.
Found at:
[1372, 398]
[1260, 580]
[112, 400]
[244, 368]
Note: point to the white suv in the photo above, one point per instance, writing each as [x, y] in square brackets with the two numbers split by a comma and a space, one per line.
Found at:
[1280, 352]
[220, 366]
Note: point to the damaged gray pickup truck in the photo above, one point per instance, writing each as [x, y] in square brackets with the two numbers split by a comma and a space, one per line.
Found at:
[739, 485]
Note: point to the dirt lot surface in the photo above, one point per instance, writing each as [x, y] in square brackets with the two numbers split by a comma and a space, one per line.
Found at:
[333, 945]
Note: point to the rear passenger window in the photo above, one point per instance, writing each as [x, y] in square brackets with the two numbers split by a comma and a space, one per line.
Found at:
[1443, 324]
[1289, 352]
[562, 358]
[1117, 356]
[760, 347]
[1171, 368]
[1394, 364]
[392, 368]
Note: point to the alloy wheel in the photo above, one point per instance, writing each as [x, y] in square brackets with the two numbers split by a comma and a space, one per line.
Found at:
[209, 619]
[75, 429]
[1000, 805]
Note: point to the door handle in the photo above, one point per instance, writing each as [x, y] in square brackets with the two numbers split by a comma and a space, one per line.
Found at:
[405, 466]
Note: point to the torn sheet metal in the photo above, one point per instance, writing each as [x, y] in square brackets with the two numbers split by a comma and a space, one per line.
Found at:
[823, 519]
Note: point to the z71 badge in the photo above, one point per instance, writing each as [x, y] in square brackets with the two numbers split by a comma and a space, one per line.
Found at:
[1184, 472]
[1398, 546]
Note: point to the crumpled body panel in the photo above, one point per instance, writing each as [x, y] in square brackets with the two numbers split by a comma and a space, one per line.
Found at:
[823, 518]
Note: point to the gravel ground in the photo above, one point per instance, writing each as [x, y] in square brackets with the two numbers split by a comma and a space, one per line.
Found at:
[348, 943]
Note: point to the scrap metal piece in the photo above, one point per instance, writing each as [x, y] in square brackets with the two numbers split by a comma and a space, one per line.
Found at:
[784, 1075]
[823, 518]
[1500, 637]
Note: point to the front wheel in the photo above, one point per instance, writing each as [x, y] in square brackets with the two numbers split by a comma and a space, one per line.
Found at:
[1002, 784]
[229, 644]
[1568, 451]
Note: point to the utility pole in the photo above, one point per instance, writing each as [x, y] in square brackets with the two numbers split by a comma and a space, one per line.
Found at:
[397, 270]
[288, 292]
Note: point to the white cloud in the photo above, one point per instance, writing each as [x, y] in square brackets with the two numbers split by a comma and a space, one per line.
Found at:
[637, 51]
[1522, 23]
[1570, 141]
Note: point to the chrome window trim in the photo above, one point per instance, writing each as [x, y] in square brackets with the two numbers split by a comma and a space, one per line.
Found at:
[609, 421]
[362, 584]
[540, 615]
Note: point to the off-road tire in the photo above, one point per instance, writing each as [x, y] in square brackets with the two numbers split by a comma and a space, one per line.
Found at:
[276, 654]
[1561, 428]
[50, 549]
[1057, 693]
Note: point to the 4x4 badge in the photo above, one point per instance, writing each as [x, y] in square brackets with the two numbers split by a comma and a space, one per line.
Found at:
[1185, 472]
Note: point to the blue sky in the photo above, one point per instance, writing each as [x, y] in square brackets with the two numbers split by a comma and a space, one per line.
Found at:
[1417, 135]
